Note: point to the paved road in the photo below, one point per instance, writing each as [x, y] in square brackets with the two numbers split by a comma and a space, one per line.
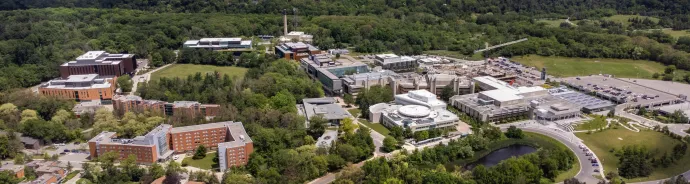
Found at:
[571, 141]
[144, 77]
[678, 129]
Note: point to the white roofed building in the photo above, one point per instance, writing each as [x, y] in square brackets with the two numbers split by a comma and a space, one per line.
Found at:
[219, 43]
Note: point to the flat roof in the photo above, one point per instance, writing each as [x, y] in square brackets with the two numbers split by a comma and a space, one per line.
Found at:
[684, 107]
[236, 39]
[327, 107]
[238, 136]
[199, 127]
[81, 78]
[614, 87]
[493, 82]
[502, 95]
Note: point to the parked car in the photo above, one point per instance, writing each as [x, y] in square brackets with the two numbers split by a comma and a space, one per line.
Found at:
[596, 170]
[66, 150]
[595, 164]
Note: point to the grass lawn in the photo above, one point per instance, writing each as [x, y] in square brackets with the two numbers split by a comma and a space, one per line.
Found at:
[204, 163]
[378, 127]
[183, 70]
[454, 54]
[71, 175]
[552, 22]
[354, 112]
[676, 33]
[596, 123]
[623, 19]
[569, 67]
[601, 142]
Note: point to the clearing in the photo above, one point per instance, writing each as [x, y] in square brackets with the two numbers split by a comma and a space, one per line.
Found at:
[623, 19]
[570, 67]
[204, 163]
[657, 143]
[378, 127]
[183, 70]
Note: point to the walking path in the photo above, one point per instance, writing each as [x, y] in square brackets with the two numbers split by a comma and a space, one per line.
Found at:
[145, 77]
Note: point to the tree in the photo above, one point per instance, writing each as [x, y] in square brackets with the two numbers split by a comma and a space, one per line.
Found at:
[634, 162]
[349, 100]
[656, 75]
[642, 111]
[389, 144]
[61, 116]
[670, 69]
[447, 92]
[29, 114]
[156, 59]
[125, 83]
[612, 113]
[317, 126]
[199, 153]
[515, 133]
[348, 126]
[8, 177]
[421, 135]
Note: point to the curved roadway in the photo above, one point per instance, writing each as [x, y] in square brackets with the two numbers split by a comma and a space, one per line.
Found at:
[586, 173]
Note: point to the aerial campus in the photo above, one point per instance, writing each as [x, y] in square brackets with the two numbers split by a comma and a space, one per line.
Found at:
[344, 92]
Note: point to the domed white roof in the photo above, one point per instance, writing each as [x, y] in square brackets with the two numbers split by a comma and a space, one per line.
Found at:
[414, 111]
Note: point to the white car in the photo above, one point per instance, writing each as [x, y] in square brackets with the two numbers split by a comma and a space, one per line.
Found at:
[176, 157]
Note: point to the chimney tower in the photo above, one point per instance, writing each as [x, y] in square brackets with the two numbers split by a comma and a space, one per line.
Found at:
[285, 32]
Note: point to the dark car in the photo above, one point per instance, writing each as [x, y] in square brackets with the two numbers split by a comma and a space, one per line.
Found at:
[66, 150]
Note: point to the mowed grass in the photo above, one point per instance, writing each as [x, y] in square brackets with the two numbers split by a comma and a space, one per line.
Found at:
[594, 124]
[552, 22]
[204, 163]
[378, 127]
[623, 19]
[183, 70]
[657, 143]
[569, 67]
[676, 33]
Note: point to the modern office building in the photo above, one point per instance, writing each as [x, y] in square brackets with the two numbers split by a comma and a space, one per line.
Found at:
[236, 149]
[101, 63]
[295, 51]
[353, 84]
[233, 143]
[80, 87]
[329, 70]
[422, 98]
[433, 83]
[296, 36]
[149, 148]
[219, 43]
[326, 107]
[396, 63]
[418, 110]
[127, 103]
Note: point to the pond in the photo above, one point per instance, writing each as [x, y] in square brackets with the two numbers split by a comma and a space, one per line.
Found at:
[499, 155]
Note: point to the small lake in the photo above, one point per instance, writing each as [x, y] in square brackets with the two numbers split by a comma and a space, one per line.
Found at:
[499, 155]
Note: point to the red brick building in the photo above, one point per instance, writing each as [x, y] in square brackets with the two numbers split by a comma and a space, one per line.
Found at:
[295, 51]
[101, 63]
[81, 87]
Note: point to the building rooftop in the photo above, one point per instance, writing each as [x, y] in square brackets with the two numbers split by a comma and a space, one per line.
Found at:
[185, 104]
[199, 127]
[420, 97]
[79, 82]
[238, 136]
[502, 95]
[493, 82]
[326, 107]
[11, 167]
[413, 115]
[98, 58]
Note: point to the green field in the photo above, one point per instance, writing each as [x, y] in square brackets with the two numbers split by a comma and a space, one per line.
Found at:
[676, 33]
[71, 175]
[204, 163]
[378, 127]
[596, 123]
[569, 67]
[183, 70]
[623, 19]
[602, 142]
[552, 22]
[355, 112]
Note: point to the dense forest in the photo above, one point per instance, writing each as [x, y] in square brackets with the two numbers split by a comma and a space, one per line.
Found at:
[34, 42]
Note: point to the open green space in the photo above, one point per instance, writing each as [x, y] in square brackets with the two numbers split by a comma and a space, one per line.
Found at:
[454, 54]
[601, 143]
[569, 67]
[378, 127]
[623, 19]
[204, 163]
[531, 139]
[355, 112]
[596, 123]
[552, 22]
[676, 33]
[183, 70]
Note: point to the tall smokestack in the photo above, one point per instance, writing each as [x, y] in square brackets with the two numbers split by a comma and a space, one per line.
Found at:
[285, 22]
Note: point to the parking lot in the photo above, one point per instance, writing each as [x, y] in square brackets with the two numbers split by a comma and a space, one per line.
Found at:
[622, 92]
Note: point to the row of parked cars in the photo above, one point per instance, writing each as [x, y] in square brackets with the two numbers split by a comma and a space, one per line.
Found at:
[593, 160]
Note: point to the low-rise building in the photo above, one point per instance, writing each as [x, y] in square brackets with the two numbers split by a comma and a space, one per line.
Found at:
[329, 70]
[396, 63]
[28, 142]
[49, 172]
[101, 63]
[296, 36]
[127, 103]
[422, 98]
[17, 170]
[86, 107]
[44, 179]
[219, 43]
[414, 117]
[188, 138]
[149, 148]
[326, 107]
[295, 51]
[80, 87]
[353, 84]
